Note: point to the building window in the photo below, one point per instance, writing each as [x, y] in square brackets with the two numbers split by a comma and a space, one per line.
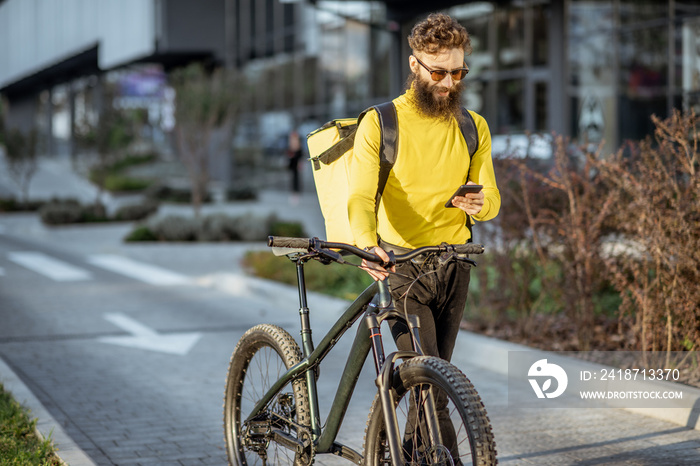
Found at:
[643, 61]
[510, 106]
[541, 103]
[593, 70]
[540, 36]
[511, 38]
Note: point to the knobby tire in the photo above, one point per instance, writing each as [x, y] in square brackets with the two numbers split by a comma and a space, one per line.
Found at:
[475, 443]
[261, 356]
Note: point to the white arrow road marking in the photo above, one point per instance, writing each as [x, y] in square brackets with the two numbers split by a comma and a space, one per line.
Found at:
[144, 272]
[143, 337]
[48, 266]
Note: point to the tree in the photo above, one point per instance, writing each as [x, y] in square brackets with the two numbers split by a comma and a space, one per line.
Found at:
[206, 105]
[109, 134]
[21, 155]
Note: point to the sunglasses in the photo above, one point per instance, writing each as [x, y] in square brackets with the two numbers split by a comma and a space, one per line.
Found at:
[438, 75]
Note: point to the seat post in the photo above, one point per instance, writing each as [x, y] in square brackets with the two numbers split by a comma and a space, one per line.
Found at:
[306, 338]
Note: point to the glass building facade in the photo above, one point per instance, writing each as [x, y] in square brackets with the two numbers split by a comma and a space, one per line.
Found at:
[594, 70]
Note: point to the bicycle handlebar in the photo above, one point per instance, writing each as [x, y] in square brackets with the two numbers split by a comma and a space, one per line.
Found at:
[311, 244]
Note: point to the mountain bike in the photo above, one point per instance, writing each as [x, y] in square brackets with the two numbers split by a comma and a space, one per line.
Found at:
[271, 408]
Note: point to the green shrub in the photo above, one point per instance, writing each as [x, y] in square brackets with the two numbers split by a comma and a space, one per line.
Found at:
[112, 176]
[164, 193]
[252, 228]
[132, 160]
[283, 228]
[241, 194]
[116, 182]
[13, 205]
[342, 281]
[175, 228]
[61, 214]
[219, 227]
[67, 211]
[132, 212]
[141, 233]
[94, 213]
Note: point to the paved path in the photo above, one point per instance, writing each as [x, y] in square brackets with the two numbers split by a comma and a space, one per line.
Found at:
[110, 405]
[113, 428]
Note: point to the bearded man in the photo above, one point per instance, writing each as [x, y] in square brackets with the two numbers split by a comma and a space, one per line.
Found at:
[432, 161]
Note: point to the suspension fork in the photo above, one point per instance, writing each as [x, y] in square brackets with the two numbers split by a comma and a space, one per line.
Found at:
[385, 367]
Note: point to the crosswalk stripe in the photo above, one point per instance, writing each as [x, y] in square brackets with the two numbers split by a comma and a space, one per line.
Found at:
[144, 272]
[48, 266]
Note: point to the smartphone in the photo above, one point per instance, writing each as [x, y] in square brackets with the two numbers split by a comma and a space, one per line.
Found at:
[462, 190]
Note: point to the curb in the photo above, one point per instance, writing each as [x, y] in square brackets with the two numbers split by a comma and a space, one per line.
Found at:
[47, 427]
[492, 354]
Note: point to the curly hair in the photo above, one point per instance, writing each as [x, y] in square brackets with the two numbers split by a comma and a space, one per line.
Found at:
[439, 32]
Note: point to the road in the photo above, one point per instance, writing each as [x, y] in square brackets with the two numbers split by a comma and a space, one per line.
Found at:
[127, 347]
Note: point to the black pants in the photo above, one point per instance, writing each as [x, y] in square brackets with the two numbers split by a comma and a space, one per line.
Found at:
[437, 295]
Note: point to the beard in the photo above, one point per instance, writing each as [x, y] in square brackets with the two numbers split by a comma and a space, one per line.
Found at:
[432, 105]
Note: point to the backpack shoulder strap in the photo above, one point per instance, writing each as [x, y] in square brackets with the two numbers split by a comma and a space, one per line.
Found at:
[468, 128]
[388, 125]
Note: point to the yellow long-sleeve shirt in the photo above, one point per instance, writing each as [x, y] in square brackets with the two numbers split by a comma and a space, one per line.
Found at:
[432, 161]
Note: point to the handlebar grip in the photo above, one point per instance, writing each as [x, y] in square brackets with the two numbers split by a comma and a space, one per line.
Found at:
[469, 248]
[287, 242]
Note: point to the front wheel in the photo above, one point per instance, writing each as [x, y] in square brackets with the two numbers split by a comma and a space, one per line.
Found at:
[465, 435]
[262, 355]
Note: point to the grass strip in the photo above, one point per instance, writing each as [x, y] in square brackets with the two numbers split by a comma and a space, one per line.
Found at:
[19, 443]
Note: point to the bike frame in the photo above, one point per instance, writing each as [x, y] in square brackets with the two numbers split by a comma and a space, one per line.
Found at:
[375, 314]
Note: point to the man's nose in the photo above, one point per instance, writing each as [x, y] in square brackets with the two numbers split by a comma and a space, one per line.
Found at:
[447, 81]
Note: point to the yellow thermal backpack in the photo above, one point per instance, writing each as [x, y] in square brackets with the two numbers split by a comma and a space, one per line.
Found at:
[330, 148]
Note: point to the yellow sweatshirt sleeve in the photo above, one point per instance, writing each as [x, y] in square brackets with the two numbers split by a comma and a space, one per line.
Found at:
[364, 177]
[481, 171]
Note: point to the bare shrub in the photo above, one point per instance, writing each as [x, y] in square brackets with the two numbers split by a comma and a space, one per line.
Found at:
[566, 209]
[658, 270]
[510, 282]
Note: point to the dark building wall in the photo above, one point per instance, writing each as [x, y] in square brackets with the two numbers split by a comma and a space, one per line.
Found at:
[192, 26]
[23, 113]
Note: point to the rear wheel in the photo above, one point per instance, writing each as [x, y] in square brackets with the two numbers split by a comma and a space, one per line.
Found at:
[465, 435]
[262, 355]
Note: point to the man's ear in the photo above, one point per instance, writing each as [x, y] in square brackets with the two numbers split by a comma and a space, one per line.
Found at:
[413, 64]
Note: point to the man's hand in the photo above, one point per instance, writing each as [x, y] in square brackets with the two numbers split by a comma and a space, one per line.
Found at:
[375, 270]
[471, 203]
